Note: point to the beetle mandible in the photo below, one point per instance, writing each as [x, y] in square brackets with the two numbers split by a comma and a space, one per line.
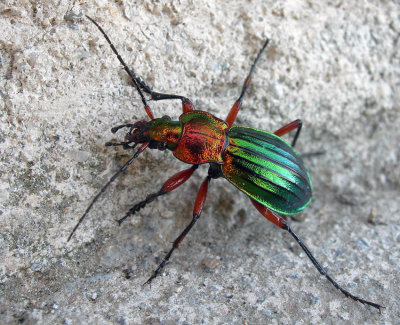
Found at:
[259, 163]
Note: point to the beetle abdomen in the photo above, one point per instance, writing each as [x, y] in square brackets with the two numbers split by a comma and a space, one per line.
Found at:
[267, 169]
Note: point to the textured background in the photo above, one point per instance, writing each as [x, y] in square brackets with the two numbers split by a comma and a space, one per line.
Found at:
[334, 64]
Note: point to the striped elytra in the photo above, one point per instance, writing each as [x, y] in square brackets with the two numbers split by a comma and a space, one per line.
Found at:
[267, 169]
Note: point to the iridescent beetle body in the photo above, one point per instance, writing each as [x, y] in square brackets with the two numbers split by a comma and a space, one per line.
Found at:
[258, 163]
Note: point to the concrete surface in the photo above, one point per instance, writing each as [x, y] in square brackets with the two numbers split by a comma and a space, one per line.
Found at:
[334, 64]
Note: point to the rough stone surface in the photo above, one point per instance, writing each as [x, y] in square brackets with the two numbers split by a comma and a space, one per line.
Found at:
[334, 64]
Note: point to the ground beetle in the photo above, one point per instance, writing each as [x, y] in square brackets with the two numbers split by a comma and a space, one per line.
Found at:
[258, 163]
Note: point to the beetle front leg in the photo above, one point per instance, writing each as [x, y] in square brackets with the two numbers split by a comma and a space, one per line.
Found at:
[172, 183]
[140, 84]
[198, 208]
[187, 105]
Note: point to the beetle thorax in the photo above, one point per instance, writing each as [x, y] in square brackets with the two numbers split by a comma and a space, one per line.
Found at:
[203, 138]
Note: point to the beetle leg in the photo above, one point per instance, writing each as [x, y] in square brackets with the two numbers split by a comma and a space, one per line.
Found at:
[198, 208]
[140, 85]
[230, 119]
[297, 124]
[131, 73]
[172, 183]
[187, 105]
[281, 223]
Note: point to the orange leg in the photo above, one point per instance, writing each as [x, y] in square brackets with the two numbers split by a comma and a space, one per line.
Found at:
[281, 223]
[198, 208]
[297, 124]
[172, 183]
[230, 119]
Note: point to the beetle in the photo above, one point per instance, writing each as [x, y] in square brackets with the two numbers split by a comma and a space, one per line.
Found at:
[259, 163]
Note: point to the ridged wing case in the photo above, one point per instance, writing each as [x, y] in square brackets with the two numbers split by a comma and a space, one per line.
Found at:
[267, 169]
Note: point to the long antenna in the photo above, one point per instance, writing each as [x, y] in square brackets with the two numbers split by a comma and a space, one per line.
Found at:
[130, 73]
[122, 169]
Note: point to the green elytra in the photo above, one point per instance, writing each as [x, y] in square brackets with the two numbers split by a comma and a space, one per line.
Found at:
[267, 169]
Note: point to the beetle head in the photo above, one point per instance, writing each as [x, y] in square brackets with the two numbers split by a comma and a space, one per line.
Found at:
[139, 132]
[160, 133]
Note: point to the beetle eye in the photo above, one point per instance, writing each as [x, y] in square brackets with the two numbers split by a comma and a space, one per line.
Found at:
[161, 146]
[166, 117]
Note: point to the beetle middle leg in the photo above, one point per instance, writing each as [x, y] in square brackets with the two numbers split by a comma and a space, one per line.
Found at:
[230, 119]
[172, 183]
[198, 208]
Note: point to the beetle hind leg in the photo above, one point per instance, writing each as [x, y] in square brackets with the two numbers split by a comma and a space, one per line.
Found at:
[297, 124]
[281, 223]
[323, 272]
